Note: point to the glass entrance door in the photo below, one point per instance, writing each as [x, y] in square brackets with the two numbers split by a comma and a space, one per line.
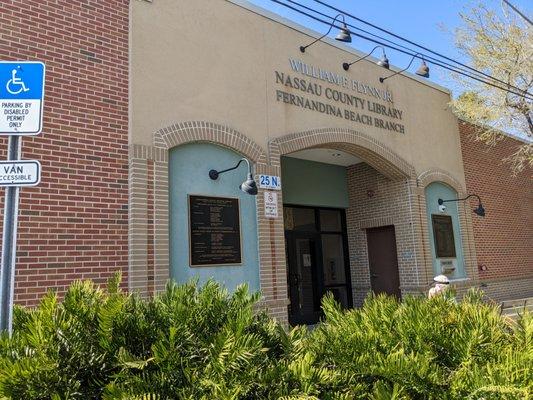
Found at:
[317, 259]
[303, 260]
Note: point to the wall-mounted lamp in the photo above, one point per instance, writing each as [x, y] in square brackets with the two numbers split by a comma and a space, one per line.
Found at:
[343, 36]
[384, 62]
[479, 210]
[423, 70]
[248, 186]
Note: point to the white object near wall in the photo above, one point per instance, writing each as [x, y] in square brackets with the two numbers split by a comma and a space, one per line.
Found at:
[271, 204]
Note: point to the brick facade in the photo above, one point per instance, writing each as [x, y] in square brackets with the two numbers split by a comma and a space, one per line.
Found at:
[75, 223]
[377, 201]
[504, 238]
[398, 199]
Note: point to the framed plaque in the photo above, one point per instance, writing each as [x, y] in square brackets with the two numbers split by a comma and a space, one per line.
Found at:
[214, 231]
[443, 235]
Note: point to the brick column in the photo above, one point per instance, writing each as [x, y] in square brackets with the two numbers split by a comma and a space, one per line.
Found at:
[272, 251]
[138, 226]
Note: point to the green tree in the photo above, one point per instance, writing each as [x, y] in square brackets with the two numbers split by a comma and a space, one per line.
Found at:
[501, 46]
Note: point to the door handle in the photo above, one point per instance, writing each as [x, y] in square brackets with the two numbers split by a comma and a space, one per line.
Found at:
[374, 276]
[295, 279]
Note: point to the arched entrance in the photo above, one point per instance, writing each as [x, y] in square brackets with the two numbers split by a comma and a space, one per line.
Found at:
[338, 210]
[373, 152]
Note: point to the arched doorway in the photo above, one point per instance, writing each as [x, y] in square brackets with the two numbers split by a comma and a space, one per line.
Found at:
[340, 188]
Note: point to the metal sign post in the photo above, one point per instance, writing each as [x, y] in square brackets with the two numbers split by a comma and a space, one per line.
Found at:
[21, 106]
[9, 243]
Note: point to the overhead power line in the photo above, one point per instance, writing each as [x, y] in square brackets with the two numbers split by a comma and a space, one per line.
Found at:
[518, 12]
[392, 43]
[414, 43]
[410, 52]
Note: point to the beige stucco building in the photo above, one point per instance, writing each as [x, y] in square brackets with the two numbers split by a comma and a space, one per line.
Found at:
[362, 163]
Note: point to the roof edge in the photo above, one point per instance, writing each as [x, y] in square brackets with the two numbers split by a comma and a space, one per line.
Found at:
[506, 134]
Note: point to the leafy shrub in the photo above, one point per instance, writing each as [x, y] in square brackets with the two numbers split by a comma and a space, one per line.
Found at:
[428, 349]
[205, 343]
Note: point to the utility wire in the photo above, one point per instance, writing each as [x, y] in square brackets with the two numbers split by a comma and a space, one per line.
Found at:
[523, 94]
[415, 44]
[410, 52]
[518, 12]
[427, 57]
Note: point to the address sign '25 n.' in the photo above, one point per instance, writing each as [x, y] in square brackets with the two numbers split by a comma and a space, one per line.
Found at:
[271, 182]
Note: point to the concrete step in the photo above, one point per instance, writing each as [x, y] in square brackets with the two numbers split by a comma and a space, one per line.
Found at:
[517, 302]
[514, 308]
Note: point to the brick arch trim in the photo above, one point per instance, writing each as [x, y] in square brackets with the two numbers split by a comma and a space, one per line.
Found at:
[438, 175]
[202, 131]
[467, 233]
[370, 150]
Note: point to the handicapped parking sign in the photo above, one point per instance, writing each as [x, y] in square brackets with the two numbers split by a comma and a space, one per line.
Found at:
[21, 97]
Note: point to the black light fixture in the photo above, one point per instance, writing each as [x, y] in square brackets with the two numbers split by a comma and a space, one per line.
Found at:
[248, 186]
[384, 62]
[423, 70]
[343, 36]
[479, 210]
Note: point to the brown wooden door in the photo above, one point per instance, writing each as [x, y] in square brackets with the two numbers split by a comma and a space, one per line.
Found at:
[383, 260]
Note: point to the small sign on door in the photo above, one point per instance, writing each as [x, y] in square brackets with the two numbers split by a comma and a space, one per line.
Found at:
[271, 204]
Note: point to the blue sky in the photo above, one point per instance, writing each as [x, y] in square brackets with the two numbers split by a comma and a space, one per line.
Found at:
[419, 21]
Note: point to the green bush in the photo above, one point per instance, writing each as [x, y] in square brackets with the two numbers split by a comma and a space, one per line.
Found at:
[204, 343]
[428, 349]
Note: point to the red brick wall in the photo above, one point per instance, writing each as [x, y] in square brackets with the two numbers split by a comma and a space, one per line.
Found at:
[75, 223]
[504, 238]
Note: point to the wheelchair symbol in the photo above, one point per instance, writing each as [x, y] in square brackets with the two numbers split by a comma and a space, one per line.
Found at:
[16, 85]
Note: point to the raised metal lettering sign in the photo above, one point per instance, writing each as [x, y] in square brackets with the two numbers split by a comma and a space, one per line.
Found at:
[214, 231]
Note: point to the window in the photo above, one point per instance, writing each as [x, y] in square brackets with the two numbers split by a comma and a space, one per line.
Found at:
[299, 219]
[330, 221]
[443, 235]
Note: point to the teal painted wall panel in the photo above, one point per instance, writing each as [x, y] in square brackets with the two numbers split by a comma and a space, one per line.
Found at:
[188, 174]
[312, 183]
[435, 191]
